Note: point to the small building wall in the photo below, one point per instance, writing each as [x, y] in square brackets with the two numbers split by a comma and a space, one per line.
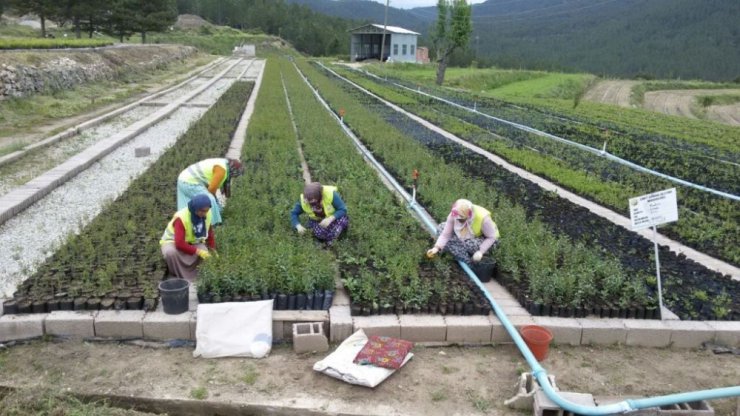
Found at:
[422, 55]
[403, 48]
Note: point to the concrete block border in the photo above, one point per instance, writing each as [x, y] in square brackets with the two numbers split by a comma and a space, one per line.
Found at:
[338, 325]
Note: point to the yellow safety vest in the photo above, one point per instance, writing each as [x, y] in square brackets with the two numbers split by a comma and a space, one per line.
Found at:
[202, 172]
[327, 197]
[184, 215]
[480, 214]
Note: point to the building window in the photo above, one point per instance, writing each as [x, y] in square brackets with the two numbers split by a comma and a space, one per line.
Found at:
[395, 49]
[403, 50]
[411, 51]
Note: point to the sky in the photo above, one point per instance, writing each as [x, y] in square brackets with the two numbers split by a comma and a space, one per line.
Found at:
[410, 4]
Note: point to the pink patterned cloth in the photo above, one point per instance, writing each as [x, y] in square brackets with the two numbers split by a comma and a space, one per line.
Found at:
[384, 352]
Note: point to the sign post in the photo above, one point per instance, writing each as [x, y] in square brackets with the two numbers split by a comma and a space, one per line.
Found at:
[649, 211]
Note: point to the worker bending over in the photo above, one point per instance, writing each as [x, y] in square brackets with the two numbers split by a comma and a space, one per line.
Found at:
[469, 230]
[327, 214]
[207, 177]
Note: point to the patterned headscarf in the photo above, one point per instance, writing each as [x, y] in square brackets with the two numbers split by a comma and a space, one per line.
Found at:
[235, 168]
[462, 209]
[462, 213]
[312, 192]
[198, 202]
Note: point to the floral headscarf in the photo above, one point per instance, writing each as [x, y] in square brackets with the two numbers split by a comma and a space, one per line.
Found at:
[462, 213]
[235, 168]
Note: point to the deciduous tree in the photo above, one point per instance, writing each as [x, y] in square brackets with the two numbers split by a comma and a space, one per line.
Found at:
[451, 31]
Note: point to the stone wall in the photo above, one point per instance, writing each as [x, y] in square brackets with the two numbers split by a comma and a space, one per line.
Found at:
[28, 72]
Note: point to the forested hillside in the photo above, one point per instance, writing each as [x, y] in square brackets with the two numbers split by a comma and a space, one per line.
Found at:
[661, 38]
[369, 10]
[310, 32]
[626, 38]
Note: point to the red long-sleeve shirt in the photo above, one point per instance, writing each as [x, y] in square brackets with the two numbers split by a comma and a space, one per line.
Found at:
[186, 247]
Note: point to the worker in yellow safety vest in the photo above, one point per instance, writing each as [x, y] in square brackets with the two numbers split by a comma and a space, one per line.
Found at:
[188, 238]
[327, 214]
[468, 233]
[207, 177]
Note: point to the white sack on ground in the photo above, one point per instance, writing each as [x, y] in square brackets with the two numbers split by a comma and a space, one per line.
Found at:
[234, 329]
[339, 364]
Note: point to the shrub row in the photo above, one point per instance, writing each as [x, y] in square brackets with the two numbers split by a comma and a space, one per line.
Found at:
[30, 43]
[260, 257]
[552, 267]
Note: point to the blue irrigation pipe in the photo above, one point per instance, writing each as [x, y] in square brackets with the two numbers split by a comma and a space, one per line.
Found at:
[598, 152]
[537, 370]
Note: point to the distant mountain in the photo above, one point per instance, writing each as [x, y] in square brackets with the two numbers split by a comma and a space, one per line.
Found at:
[661, 38]
[370, 11]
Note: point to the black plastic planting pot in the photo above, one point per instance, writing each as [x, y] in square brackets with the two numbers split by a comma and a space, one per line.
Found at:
[282, 302]
[10, 307]
[300, 301]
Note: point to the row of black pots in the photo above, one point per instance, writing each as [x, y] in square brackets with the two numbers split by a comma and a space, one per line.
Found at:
[457, 308]
[603, 311]
[539, 309]
[317, 300]
[22, 306]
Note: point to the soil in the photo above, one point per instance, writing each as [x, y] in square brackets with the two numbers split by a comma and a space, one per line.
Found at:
[437, 381]
[671, 102]
[611, 92]
[679, 102]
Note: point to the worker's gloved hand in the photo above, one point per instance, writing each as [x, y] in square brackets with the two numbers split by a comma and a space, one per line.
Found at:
[326, 221]
[221, 199]
[203, 254]
[301, 229]
[477, 256]
[432, 252]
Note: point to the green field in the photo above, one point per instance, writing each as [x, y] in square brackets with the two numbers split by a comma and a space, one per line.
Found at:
[560, 93]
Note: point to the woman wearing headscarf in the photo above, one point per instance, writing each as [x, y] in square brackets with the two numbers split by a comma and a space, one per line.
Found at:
[467, 234]
[207, 177]
[188, 238]
[327, 214]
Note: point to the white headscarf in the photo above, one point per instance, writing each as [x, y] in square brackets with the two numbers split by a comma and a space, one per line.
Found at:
[463, 209]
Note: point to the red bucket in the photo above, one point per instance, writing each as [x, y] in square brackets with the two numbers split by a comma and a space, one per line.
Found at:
[537, 339]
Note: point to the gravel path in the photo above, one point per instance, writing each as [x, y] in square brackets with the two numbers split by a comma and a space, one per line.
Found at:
[32, 236]
[38, 162]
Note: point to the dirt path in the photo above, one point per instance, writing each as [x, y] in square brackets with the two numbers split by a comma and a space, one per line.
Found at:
[611, 92]
[679, 103]
[437, 381]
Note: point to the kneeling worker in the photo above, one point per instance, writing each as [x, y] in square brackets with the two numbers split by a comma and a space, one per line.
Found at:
[467, 234]
[327, 214]
[188, 238]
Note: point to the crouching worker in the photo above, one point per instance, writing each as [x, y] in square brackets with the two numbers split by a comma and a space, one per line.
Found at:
[327, 214]
[206, 177]
[188, 238]
[467, 234]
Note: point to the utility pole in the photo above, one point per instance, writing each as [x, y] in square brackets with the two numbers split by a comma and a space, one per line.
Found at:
[385, 25]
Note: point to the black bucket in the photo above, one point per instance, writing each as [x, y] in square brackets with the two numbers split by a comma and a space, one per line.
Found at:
[484, 269]
[175, 295]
